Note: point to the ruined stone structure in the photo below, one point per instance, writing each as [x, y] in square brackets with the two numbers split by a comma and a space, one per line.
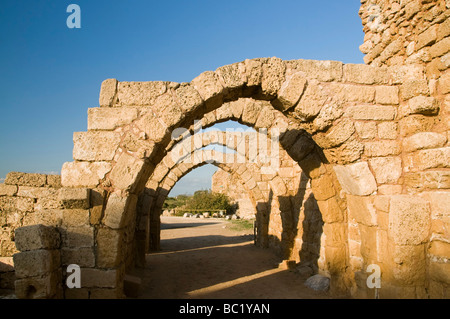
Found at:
[364, 176]
[224, 183]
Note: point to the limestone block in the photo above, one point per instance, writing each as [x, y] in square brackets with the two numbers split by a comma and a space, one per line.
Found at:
[415, 123]
[368, 242]
[382, 148]
[423, 140]
[421, 105]
[325, 71]
[444, 83]
[273, 75]
[167, 110]
[140, 93]
[188, 97]
[36, 262]
[433, 158]
[95, 145]
[445, 60]
[409, 266]
[8, 190]
[387, 169]
[364, 74]
[83, 174]
[92, 277]
[348, 152]
[362, 209]
[427, 37]
[387, 95]
[291, 91]
[366, 130]
[25, 179]
[356, 179]
[232, 75]
[337, 135]
[409, 220]
[266, 117]
[54, 181]
[400, 73]
[39, 288]
[327, 115]
[443, 28]
[36, 237]
[108, 92]
[253, 70]
[250, 112]
[46, 217]
[278, 186]
[207, 85]
[78, 236]
[36, 192]
[354, 93]
[74, 197]
[428, 180]
[81, 256]
[413, 87]
[387, 130]
[440, 48]
[106, 239]
[323, 187]
[372, 112]
[110, 118]
[114, 211]
[125, 173]
[311, 102]
[330, 210]
[75, 217]
[439, 203]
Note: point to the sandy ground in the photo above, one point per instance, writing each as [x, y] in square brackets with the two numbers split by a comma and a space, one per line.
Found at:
[204, 258]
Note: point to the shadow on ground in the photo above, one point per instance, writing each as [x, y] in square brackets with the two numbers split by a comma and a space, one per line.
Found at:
[214, 262]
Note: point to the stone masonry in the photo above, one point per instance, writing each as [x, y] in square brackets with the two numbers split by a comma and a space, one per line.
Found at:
[364, 174]
[224, 183]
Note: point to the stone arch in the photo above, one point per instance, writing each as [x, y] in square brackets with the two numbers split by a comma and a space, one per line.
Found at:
[324, 111]
[168, 172]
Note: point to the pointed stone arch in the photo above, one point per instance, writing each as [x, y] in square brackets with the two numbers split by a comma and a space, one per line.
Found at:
[324, 111]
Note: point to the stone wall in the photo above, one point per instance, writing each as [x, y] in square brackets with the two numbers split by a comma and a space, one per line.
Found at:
[407, 32]
[224, 183]
[27, 199]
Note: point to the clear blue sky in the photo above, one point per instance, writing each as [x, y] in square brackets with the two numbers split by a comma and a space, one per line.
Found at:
[51, 75]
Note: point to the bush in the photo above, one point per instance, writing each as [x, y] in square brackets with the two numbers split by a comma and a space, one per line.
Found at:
[201, 200]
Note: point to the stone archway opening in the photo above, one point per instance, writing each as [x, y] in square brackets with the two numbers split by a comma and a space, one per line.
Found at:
[141, 152]
[288, 216]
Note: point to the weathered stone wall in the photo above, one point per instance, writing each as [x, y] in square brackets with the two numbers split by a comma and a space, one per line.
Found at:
[412, 32]
[224, 183]
[27, 199]
[38, 264]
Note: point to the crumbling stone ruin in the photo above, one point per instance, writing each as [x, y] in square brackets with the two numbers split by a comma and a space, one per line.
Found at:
[363, 179]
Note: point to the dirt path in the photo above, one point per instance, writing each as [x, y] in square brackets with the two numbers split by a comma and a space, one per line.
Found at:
[204, 258]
